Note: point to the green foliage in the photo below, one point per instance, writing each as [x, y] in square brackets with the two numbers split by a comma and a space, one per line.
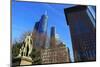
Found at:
[15, 49]
[36, 56]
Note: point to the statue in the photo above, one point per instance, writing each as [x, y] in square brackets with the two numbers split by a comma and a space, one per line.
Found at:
[25, 51]
[26, 48]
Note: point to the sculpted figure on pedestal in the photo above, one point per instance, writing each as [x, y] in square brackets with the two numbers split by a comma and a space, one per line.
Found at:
[27, 46]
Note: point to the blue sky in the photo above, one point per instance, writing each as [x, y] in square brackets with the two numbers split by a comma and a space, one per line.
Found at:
[25, 14]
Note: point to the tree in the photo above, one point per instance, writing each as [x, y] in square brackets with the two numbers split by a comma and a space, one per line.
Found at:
[15, 49]
[36, 56]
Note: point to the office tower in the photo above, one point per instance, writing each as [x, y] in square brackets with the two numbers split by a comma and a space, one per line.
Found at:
[35, 36]
[43, 23]
[83, 32]
[52, 38]
[36, 27]
[43, 30]
[40, 32]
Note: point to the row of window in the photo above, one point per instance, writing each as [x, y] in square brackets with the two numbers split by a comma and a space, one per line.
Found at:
[53, 52]
[88, 54]
[53, 60]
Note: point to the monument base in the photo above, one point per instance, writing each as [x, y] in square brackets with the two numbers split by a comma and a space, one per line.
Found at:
[22, 60]
[26, 61]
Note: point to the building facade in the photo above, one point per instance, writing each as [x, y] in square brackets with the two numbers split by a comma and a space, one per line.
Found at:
[55, 55]
[83, 33]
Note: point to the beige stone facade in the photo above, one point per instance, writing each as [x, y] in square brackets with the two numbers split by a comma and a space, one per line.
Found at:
[60, 54]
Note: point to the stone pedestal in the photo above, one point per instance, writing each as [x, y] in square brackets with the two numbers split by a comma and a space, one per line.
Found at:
[26, 61]
[22, 60]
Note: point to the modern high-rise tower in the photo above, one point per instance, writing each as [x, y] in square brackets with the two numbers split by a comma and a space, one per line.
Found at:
[36, 27]
[52, 38]
[43, 23]
[83, 32]
[40, 32]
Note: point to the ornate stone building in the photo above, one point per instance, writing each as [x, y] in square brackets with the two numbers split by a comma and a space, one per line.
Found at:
[60, 54]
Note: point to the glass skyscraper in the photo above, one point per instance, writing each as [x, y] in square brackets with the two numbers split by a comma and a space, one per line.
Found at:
[40, 31]
[43, 23]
